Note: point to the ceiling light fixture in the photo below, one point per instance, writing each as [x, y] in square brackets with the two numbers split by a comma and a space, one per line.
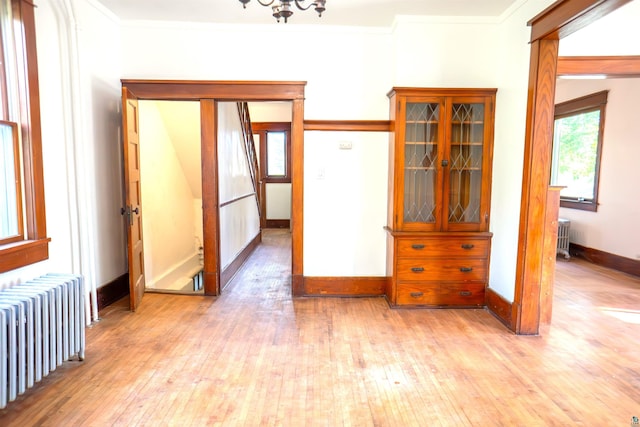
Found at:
[282, 8]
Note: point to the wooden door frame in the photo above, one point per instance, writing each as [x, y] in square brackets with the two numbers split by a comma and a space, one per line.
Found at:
[557, 21]
[217, 91]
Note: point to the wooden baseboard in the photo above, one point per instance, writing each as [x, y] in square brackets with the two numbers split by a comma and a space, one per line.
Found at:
[502, 309]
[605, 259]
[228, 273]
[344, 286]
[113, 291]
[277, 223]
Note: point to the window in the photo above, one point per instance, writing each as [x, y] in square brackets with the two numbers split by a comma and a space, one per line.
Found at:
[276, 154]
[577, 144]
[10, 184]
[275, 151]
[23, 238]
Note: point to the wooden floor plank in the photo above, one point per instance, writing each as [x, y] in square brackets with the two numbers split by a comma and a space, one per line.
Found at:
[254, 356]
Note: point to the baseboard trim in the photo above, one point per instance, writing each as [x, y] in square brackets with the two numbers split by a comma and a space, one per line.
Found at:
[502, 309]
[344, 286]
[113, 291]
[277, 223]
[297, 285]
[605, 259]
[228, 273]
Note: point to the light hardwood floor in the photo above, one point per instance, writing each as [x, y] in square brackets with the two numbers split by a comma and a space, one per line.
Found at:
[254, 356]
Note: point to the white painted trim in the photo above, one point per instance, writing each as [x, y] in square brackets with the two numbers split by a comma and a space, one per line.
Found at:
[81, 210]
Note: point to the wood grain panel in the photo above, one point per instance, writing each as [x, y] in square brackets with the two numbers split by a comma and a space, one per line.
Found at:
[441, 269]
[535, 181]
[456, 294]
[297, 195]
[609, 66]
[344, 286]
[606, 259]
[549, 251]
[27, 252]
[216, 89]
[349, 125]
[448, 248]
[210, 199]
[500, 308]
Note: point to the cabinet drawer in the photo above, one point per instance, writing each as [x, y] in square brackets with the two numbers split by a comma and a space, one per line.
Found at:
[463, 247]
[459, 294]
[441, 269]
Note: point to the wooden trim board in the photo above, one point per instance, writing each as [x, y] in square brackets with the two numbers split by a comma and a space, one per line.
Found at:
[228, 273]
[605, 259]
[344, 286]
[113, 291]
[502, 309]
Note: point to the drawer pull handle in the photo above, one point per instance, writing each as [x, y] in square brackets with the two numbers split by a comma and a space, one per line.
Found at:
[417, 269]
[467, 246]
[466, 269]
[465, 293]
[416, 294]
[417, 246]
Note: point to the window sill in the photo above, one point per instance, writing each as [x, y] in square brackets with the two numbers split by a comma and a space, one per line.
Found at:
[23, 253]
[574, 204]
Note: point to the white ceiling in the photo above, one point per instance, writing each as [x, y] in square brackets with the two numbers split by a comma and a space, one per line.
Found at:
[339, 12]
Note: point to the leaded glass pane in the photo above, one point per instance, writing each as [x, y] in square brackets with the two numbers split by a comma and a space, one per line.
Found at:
[465, 164]
[421, 155]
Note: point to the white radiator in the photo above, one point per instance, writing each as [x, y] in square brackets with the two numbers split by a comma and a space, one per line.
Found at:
[41, 326]
[563, 237]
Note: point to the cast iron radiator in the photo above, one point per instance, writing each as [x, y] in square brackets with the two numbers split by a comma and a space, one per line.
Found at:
[41, 326]
[563, 237]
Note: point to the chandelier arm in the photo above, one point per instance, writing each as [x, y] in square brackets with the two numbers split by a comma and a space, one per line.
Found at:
[266, 4]
[301, 6]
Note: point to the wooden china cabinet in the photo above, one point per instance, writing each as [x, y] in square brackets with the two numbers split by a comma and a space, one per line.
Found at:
[440, 157]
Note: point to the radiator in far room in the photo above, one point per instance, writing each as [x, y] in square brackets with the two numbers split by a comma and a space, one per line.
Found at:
[41, 326]
[563, 237]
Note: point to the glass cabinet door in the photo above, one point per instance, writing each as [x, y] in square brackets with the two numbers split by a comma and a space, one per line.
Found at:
[421, 150]
[465, 162]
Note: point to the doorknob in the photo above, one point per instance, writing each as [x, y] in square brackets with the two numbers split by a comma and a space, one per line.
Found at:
[129, 213]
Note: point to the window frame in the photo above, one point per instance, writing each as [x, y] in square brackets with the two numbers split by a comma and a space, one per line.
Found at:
[34, 246]
[262, 129]
[585, 104]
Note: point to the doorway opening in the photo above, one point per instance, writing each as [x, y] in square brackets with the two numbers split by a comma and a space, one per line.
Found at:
[210, 94]
[171, 196]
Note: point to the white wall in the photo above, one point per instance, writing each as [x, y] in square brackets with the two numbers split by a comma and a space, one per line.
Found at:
[617, 33]
[614, 228]
[168, 203]
[239, 221]
[445, 52]
[270, 111]
[345, 204]
[278, 201]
